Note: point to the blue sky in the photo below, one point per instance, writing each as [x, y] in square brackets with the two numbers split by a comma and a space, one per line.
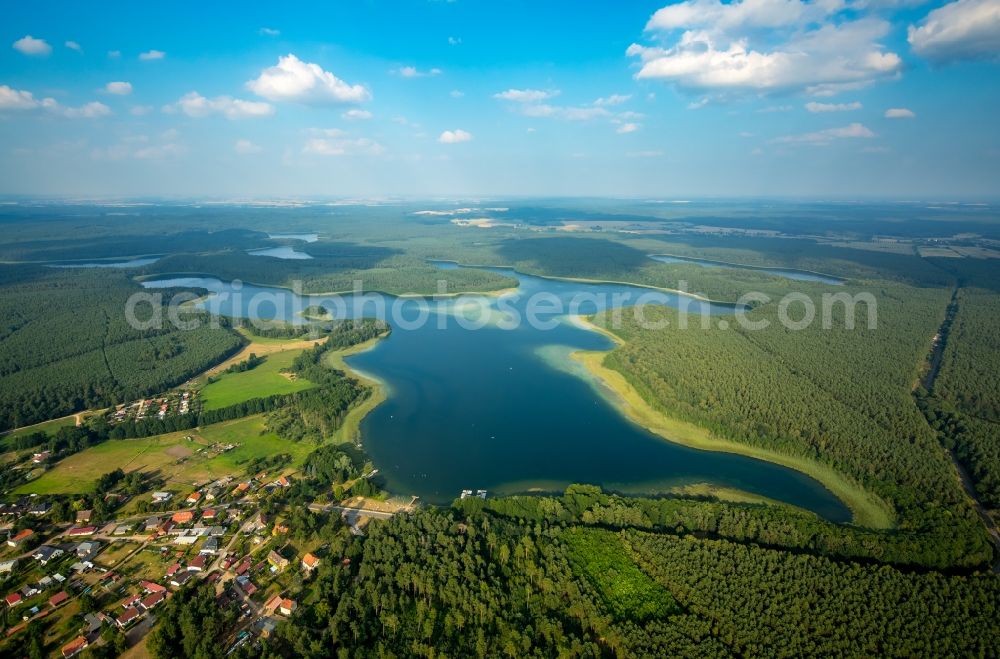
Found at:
[835, 98]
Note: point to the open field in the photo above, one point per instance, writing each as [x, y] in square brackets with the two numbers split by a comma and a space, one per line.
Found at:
[49, 427]
[350, 430]
[867, 509]
[179, 461]
[266, 379]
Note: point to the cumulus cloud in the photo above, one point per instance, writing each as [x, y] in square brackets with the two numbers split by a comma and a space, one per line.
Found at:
[764, 45]
[21, 100]
[304, 82]
[194, 104]
[119, 88]
[17, 99]
[627, 128]
[92, 110]
[899, 113]
[334, 142]
[960, 30]
[246, 147]
[455, 93]
[414, 72]
[29, 45]
[268, 32]
[568, 113]
[455, 136]
[823, 137]
[526, 95]
[152, 55]
[614, 99]
[356, 114]
[833, 107]
[72, 45]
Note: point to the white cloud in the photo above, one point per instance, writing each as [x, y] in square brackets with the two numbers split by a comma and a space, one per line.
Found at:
[114, 54]
[454, 136]
[823, 137]
[764, 45]
[72, 45]
[356, 114]
[614, 99]
[29, 45]
[92, 110]
[454, 41]
[334, 142]
[899, 113]
[246, 147]
[152, 55]
[268, 32]
[140, 110]
[16, 99]
[304, 82]
[454, 93]
[964, 29]
[194, 104]
[119, 88]
[627, 128]
[526, 95]
[414, 72]
[833, 107]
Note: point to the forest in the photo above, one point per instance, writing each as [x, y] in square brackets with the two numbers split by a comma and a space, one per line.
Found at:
[65, 345]
[472, 583]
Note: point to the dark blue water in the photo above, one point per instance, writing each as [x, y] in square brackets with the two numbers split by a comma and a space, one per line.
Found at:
[787, 273]
[131, 263]
[479, 401]
[283, 252]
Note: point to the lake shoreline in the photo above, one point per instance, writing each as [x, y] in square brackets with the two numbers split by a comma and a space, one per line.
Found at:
[867, 510]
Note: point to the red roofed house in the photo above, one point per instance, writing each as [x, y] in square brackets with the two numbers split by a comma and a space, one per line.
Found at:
[272, 604]
[287, 607]
[74, 647]
[152, 587]
[127, 617]
[20, 537]
[283, 481]
[82, 530]
[208, 513]
[58, 598]
[172, 570]
[197, 563]
[194, 497]
[310, 562]
[183, 517]
[153, 600]
[131, 601]
[13, 599]
[241, 488]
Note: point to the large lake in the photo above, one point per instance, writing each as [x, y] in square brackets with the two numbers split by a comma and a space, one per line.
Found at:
[503, 408]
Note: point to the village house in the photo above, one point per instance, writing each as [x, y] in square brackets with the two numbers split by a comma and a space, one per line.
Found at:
[277, 560]
[194, 497]
[83, 516]
[13, 599]
[152, 600]
[183, 517]
[152, 587]
[58, 598]
[181, 578]
[310, 562]
[82, 530]
[130, 615]
[40, 508]
[287, 607]
[74, 647]
[197, 564]
[151, 524]
[6, 567]
[162, 497]
[210, 546]
[39, 458]
[20, 538]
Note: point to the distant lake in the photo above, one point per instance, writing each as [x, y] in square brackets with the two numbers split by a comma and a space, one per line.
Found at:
[283, 252]
[304, 237]
[131, 263]
[505, 409]
[787, 273]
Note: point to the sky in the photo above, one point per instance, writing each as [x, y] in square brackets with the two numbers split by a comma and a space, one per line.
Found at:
[892, 99]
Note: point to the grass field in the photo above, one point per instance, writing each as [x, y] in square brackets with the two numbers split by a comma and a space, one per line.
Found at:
[48, 427]
[628, 592]
[266, 379]
[182, 463]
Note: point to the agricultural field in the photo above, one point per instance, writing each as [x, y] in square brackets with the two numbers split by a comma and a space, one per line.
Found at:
[181, 462]
[267, 379]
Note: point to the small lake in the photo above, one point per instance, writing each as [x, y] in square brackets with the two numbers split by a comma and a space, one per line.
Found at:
[283, 252]
[131, 263]
[787, 273]
[502, 407]
[304, 237]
